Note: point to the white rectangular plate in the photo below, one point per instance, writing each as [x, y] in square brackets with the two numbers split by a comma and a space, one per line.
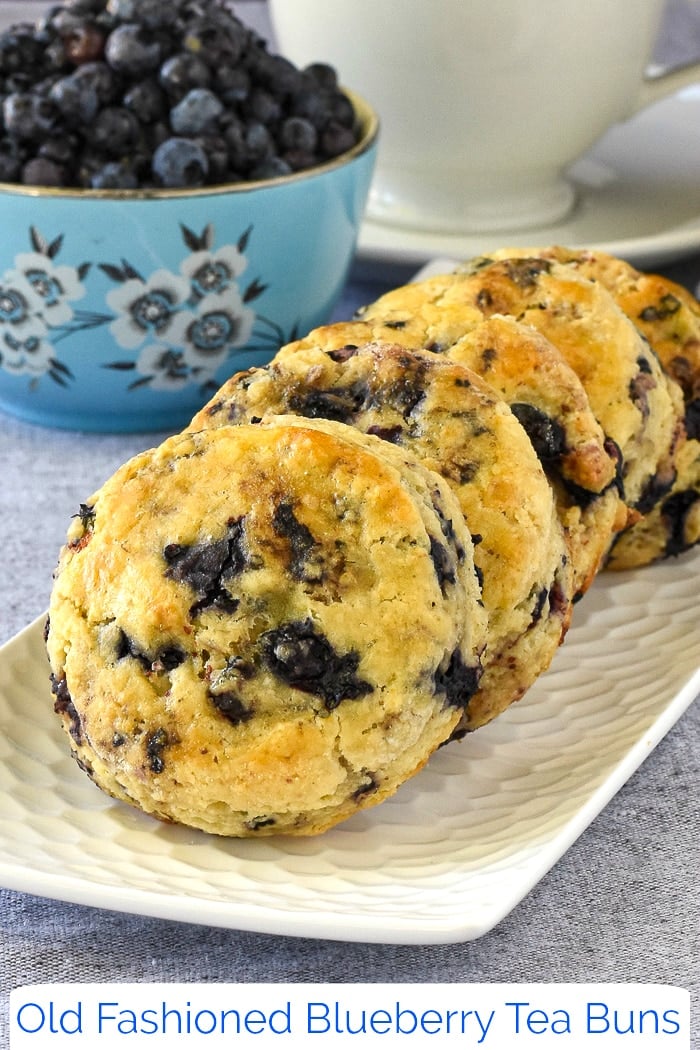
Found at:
[444, 860]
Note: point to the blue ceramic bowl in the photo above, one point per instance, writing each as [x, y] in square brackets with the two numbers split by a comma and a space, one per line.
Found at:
[125, 311]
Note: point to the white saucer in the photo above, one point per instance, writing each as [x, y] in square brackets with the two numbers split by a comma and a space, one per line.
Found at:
[638, 197]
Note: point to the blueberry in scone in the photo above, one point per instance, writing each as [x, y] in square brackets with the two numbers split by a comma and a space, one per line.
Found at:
[264, 628]
[457, 425]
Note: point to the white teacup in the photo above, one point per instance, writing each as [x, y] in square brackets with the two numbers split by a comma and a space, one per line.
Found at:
[483, 104]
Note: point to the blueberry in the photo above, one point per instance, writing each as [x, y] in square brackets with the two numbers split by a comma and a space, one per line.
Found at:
[19, 50]
[457, 681]
[115, 130]
[154, 14]
[301, 541]
[546, 435]
[339, 403]
[10, 161]
[231, 707]
[88, 165]
[60, 148]
[234, 137]
[55, 56]
[180, 162]
[128, 51]
[114, 176]
[196, 112]
[259, 142]
[272, 168]
[40, 171]
[124, 10]
[102, 79]
[249, 147]
[84, 44]
[64, 706]
[156, 743]
[206, 567]
[299, 655]
[342, 110]
[217, 156]
[275, 73]
[146, 100]
[28, 116]
[297, 133]
[232, 84]
[314, 106]
[182, 72]
[336, 139]
[323, 75]
[675, 512]
[84, 7]
[298, 160]
[218, 36]
[263, 107]
[442, 563]
[76, 99]
[156, 134]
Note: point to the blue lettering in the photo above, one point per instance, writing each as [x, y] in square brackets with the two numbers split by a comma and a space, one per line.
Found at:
[380, 1021]
[561, 1025]
[254, 1022]
[211, 1017]
[597, 1018]
[126, 1025]
[102, 1016]
[286, 1020]
[537, 1021]
[30, 1022]
[166, 1014]
[517, 1014]
[412, 1021]
[428, 1018]
[317, 1018]
[149, 1022]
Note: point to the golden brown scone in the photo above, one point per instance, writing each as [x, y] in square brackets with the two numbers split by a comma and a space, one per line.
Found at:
[539, 385]
[668, 316]
[264, 628]
[633, 398]
[457, 425]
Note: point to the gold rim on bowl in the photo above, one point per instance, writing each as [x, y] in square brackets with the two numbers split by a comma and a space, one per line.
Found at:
[366, 118]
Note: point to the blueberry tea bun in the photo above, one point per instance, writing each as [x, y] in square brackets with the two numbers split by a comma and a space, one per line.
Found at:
[637, 404]
[668, 316]
[264, 628]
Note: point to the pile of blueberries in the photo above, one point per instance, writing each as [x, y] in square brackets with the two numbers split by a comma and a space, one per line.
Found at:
[128, 94]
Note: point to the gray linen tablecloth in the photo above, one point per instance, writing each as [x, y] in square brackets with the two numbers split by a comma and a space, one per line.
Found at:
[621, 905]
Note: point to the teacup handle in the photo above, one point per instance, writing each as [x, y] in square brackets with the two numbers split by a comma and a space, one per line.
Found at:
[660, 83]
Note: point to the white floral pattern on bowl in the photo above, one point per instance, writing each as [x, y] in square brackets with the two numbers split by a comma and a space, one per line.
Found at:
[182, 326]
